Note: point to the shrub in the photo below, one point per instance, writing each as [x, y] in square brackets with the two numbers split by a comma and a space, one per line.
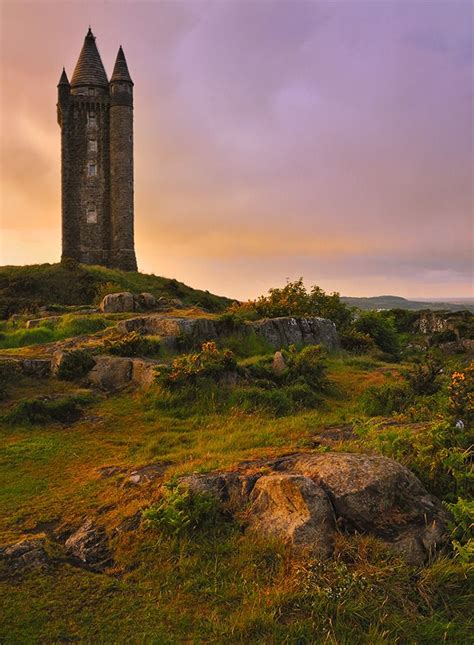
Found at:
[180, 511]
[462, 528]
[295, 300]
[461, 394]
[39, 411]
[210, 362]
[381, 329]
[75, 364]
[385, 399]
[133, 344]
[308, 366]
[439, 455]
[423, 378]
[357, 342]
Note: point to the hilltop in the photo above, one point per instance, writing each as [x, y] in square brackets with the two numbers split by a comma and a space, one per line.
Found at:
[27, 288]
[397, 302]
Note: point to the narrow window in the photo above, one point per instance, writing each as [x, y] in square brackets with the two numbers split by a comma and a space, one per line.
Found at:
[91, 118]
[91, 91]
[92, 170]
[91, 215]
[92, 145]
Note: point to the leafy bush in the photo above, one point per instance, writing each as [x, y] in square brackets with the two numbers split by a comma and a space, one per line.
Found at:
[40, 411]
[295, 300]
[462, 529]
[461, 394]
[209, 363]
[133, 344]
[357, 342]
[381, 329]
[307, 366]
[385, 399]
[75, 364]
[180, 511]
[423, 378]
[440, 455]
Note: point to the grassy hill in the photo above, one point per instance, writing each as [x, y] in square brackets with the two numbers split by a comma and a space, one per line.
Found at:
[29, 287]
[396, 302]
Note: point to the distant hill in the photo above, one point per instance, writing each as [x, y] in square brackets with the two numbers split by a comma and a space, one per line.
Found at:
[25, 288]
[396, 302]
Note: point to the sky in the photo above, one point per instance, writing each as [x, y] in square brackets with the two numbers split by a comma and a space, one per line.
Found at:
[273, 139]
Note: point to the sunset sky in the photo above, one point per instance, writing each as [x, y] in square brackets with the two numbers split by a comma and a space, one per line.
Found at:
[329, 140]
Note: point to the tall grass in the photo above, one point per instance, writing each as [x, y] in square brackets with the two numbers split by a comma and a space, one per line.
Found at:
[53, 330]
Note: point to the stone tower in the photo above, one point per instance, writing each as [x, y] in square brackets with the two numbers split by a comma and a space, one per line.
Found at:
[96, 120]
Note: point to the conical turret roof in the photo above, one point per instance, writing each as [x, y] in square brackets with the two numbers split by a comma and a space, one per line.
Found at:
[121, 72]
[63, 80]
[89, 68]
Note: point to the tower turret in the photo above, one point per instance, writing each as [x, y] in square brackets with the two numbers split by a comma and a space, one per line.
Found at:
[122, 253]
[97, 161]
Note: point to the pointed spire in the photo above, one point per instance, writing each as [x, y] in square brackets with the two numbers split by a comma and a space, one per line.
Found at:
[121, 72]
[89, 68]
[63, 80]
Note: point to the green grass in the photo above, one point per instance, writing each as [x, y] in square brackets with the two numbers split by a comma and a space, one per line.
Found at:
[214, 584]
[67, 326]
[25, 288]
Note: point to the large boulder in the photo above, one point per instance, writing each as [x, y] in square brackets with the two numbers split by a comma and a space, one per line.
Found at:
[115, 303]
[284, 331]
[111, 373]
[295, 498]
[295, 509]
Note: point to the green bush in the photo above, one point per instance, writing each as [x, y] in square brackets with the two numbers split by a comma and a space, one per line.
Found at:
[307, 366]
[133, 344]
[386, 399]
[180, 511]
[424, 377]
[40, 411]
[357, 342]
[440, 455]
[209, 363]
[295, 300]
[75, 364]
[382, 331]
[462, 529]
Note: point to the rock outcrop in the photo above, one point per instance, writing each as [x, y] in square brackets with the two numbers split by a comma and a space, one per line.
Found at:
[90, 545]
[277, 332]
[26, 555]
[122, 302]
[113, 373]
[301, 498]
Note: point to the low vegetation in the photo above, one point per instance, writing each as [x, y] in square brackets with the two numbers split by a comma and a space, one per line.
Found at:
[185, 572]
[56, 286]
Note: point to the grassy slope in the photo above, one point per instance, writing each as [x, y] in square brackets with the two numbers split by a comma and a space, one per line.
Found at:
[24, 287]
[218, 587]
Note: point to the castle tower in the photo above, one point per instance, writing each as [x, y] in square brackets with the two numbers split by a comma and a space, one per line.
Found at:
[96, 123]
